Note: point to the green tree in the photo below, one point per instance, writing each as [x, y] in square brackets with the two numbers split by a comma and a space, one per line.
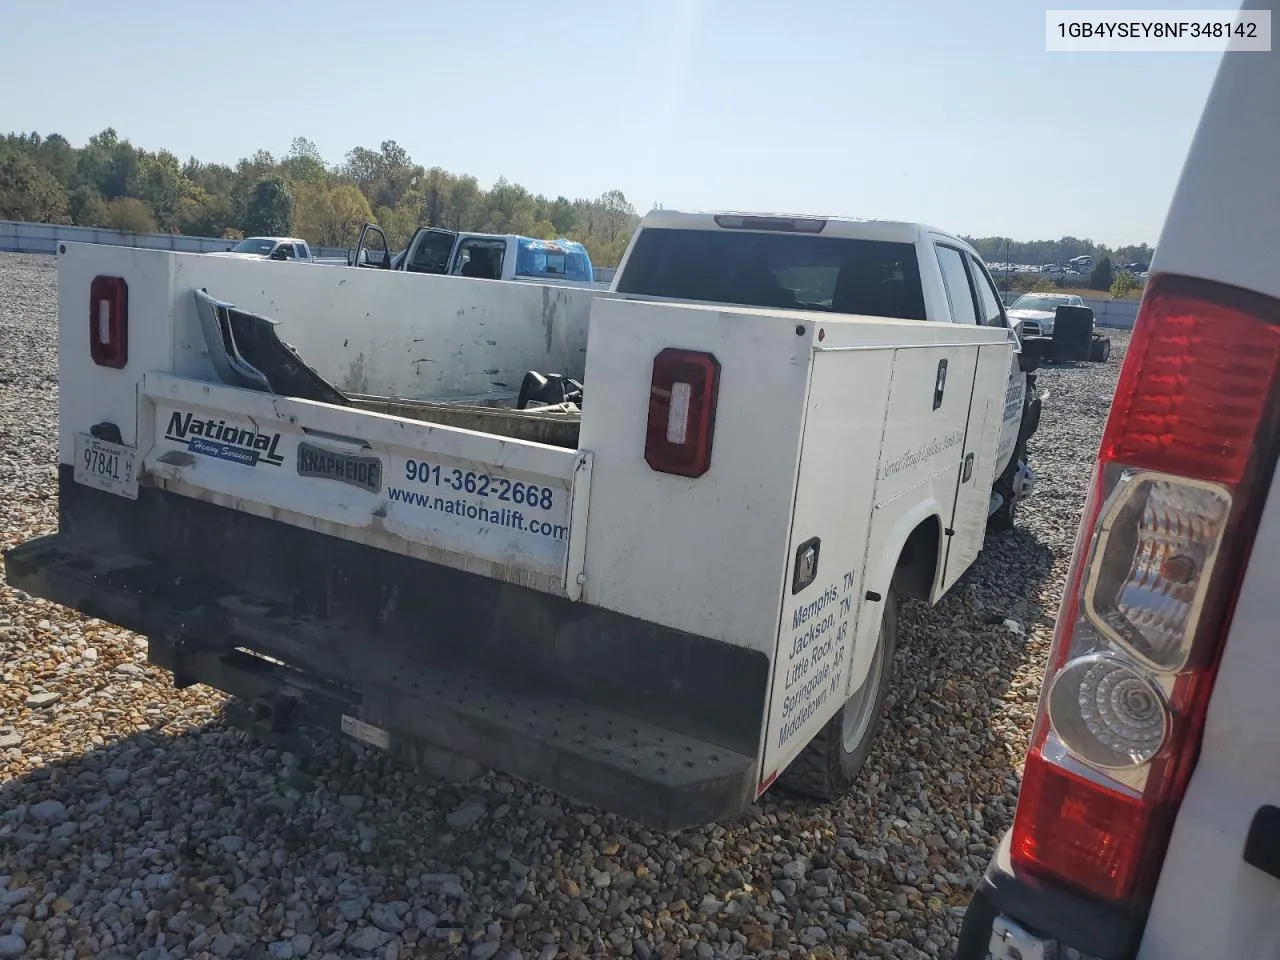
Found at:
[27, 192]
[86, 207]
[268, 210]
[1102, 275]
[303, 163]
[202, 214]
[1123, 285]
[158, 181]
[330, 216]
[107, 164]
[130, 215]
[58, 158]
[562, 216]
[400, 222]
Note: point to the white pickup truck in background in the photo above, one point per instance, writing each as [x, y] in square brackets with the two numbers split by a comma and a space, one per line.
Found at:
[482, 256]
[657, 596]
[291, 249]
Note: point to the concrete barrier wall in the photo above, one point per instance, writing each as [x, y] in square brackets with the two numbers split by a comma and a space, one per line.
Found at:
[17, 236]
[1117, 314]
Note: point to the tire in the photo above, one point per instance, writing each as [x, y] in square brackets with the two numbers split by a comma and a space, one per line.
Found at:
[1100, 350]
[1004, 516]
[828, 766]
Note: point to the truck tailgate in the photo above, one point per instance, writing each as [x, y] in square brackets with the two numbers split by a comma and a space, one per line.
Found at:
[507, 509]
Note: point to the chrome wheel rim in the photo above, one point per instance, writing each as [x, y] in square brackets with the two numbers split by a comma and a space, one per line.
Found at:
[859, 710]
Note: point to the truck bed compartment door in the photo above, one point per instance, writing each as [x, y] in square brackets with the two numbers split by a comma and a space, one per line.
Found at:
[978, 461]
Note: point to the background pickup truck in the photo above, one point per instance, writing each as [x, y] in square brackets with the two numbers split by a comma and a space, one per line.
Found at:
[657, 600]
[483, 256]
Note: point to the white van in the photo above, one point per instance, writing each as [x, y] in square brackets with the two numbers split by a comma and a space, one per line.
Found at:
[1148, 824]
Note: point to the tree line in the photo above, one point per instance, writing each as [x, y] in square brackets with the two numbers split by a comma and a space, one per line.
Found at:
[113, 184]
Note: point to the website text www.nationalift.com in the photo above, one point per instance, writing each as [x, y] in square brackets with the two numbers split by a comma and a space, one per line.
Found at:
[453, 491]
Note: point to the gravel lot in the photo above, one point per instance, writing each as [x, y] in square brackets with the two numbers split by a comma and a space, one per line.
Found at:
[133, 823]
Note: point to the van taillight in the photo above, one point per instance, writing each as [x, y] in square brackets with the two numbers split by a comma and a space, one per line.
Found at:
[109, 321]
[682, 412]
[1167, 527]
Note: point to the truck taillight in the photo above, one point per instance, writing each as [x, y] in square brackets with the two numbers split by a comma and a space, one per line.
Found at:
[109, 321]
[682, 412]
[1167, 527]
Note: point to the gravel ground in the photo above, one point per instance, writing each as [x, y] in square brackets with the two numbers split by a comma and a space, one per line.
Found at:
[134, 823]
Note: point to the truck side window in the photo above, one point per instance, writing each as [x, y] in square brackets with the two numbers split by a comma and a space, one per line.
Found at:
[990, 312]
[431, 254]
[956, 281]
[480, 258]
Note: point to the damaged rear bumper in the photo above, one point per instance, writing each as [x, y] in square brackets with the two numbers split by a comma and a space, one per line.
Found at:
[312, 632]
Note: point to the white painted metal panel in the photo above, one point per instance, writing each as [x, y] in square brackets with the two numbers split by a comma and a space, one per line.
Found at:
[396, 334]
[1224, 220]
[982, 444]
[704, 555]
[499, 507]
[90, 394]
[921, 441]
[1224, 224]
[848, 394]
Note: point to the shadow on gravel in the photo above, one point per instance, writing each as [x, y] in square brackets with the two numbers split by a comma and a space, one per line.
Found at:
[203, 841]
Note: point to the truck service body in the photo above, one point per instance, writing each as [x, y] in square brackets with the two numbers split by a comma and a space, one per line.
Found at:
[658, 604]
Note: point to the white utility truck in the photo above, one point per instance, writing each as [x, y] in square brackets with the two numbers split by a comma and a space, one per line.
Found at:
[657, 598]
[1148, 821]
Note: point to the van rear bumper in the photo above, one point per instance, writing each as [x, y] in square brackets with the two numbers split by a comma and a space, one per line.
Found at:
[1047, 922]
[436, 665]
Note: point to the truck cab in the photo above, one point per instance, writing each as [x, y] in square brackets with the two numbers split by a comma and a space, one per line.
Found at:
[840, 266]
[481, 256]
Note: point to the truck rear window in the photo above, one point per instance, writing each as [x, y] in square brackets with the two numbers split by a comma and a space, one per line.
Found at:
[797, 271]
[539, 258]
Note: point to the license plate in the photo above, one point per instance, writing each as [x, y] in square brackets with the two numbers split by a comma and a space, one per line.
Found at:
[106, 466]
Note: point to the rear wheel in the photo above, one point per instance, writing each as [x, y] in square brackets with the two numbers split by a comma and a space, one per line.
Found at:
[1100, 350]
[828, 767]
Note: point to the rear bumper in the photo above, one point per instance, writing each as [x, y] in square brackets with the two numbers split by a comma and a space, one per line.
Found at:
[444, 666]
[1035, 921]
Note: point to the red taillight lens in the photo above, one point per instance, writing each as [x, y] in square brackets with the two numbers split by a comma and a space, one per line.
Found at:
[109, 321]
[1088, 828]
[1165, 535]
[682, 412]
[1196, 382]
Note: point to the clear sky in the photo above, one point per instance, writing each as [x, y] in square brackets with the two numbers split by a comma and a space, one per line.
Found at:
[936, 110]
